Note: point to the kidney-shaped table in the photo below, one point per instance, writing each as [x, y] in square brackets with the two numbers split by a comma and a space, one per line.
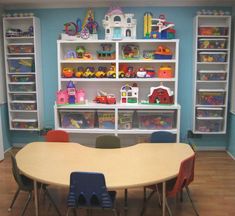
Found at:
[135, 166]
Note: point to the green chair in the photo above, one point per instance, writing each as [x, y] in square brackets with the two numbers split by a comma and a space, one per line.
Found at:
[26, 184]
[110, 142]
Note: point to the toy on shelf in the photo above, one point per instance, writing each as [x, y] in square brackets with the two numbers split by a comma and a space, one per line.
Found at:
[213, 12]
[70, 95]
[68, 72]
[104, 98]
[111, 73]
[13, 32]
[101, 73]
[130, 51]
[89, 72]
[80, 51]
[163, 52]
[158, 28]
[141, 73]
[148, 54]
[129, 94]
[78, 31]
[161, 95]
[165, 72]
[119, 25]
[79, 72]
[122, 70]
[106, 53]
[150, 72]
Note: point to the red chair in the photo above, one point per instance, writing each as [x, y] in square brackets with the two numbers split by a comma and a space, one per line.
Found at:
[57, 136]
[175, 186]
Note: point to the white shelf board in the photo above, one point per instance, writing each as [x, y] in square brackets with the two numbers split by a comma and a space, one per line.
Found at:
[118, 79]
[144, 131]
[86, 61]
[148, 61]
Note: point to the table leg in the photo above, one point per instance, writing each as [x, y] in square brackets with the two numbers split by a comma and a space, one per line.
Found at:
[36, 197]
[163, 198]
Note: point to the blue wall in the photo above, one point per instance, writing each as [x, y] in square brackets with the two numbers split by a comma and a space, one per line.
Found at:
[231, 138]
[52, 21]
[5, 127]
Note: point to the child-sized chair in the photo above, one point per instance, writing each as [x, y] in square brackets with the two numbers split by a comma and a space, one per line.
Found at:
[57, 136]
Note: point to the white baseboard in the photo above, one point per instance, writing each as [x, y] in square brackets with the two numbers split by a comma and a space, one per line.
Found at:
[209, 148]
[232, 156]
[7, 150]
[18, 145]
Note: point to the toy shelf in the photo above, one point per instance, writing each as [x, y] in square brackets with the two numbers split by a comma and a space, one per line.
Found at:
[211, 73]
[118, 118]
[23, 72]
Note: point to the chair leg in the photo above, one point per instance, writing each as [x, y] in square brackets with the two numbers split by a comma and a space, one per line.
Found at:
[125, 199]
[14, 199]
[168, 208]
[51, 200]
[115, 212]
[74, 211]
[145, 194]
[194, 208]
[181, 195]
[146, 202]
[27, 203]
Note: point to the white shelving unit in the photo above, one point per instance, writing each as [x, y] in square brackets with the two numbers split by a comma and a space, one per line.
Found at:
[211, 70]
[113, 85]
[22, 47]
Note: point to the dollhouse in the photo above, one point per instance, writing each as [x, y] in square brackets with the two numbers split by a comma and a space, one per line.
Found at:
[119, 25]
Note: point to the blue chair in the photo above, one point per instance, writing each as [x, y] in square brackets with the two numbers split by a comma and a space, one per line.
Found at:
[88, 190]
[162, 137]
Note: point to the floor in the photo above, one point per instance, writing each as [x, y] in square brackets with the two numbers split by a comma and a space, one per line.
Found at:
[213, 192]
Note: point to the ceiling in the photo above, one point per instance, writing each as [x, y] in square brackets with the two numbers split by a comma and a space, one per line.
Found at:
[14, 4]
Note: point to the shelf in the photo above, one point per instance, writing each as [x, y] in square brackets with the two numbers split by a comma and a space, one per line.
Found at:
[118, 79]
[23, 72]
[93, 111]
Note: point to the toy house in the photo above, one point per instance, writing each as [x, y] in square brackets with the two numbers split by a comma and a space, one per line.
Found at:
[119, 25]
[129, 94]
[161, 95]
[62, 97]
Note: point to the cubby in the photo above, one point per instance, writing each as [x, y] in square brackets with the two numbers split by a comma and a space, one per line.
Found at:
[23, 72]
[211, 73]
[124, 114]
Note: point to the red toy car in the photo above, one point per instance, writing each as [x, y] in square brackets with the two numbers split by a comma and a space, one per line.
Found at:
[109, 99]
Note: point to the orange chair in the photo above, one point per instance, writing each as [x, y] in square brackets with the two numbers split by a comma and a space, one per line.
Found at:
[175, 186]
[57, 136]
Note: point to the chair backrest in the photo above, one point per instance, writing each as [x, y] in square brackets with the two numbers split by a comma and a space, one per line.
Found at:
[88, 189]
[108, 142]
[57, 136]
[16, 172]
[162, 137]
[185, 176]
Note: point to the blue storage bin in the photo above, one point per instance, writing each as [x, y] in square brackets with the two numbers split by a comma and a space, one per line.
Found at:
[21, 65]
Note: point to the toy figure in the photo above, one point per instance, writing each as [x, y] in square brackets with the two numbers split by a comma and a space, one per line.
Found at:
[80, 50]
[71, 92]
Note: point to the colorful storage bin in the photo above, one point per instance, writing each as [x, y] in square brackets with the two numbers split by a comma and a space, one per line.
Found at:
[125, 119]
[20, 48]
[212, 56]
[23, 97]
[25, 105]
[22, 87]
[21, 78]
[106, 119]
[212, 43]
[211, 75]
[211, 96]
[156, 119]
[24, 124]
[209, 125]
[209, 112]
[21, 65]
[77, 119]
[212, 31]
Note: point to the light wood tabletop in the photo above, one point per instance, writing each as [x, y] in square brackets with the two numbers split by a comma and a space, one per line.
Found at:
[135, 166]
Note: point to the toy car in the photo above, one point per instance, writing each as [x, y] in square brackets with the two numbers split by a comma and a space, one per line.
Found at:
[109, 99]
[111, 73]
[79, 72]
[130, 73]
[101, 72]
[14, 33]
[68, 72]
[141, 73]
[89, 73]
